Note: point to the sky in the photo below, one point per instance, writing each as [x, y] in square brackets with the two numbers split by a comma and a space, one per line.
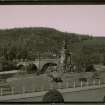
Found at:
[83, 19]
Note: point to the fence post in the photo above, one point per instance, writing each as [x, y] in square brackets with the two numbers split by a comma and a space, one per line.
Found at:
[55, 85]
[99, 83]
[42, 88]
[59, 85]
[87, 83]
[74, 84]
[1, 91]
[94, 82]
[23, 90]
[51, 86]
[12, 90]
[81, 84]
[67, 84]
[35, 89]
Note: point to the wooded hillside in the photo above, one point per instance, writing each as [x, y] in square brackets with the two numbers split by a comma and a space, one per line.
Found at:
[27, 43]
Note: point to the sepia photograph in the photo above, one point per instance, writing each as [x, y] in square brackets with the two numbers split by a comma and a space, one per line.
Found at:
[52, 53]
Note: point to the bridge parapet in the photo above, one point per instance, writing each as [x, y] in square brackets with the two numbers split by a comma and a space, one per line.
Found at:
[39, 63]
[43, 59]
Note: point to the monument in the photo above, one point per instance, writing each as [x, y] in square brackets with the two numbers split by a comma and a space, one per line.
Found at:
[65, 59]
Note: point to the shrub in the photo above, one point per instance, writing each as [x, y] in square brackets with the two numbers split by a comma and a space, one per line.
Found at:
[90, 68]
[53, 96]
[57, 79]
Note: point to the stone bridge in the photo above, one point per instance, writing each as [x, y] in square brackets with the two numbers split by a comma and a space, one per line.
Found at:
[40, 63]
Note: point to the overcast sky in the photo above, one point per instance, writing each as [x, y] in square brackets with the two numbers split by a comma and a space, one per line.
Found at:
[85, 19]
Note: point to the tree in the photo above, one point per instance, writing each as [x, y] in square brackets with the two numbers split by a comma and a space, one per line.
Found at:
[104, 59]
[6, 65]
[90, 68]
[12, 51]
[78, 58]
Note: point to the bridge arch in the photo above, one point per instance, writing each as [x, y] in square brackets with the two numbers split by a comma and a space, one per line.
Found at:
[48, 66]
[20, 66]
[29, 68]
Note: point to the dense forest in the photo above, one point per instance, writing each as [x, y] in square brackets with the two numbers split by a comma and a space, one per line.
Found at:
[28, 43]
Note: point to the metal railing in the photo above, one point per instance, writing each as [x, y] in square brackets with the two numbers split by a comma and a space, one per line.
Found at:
[62, 85]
